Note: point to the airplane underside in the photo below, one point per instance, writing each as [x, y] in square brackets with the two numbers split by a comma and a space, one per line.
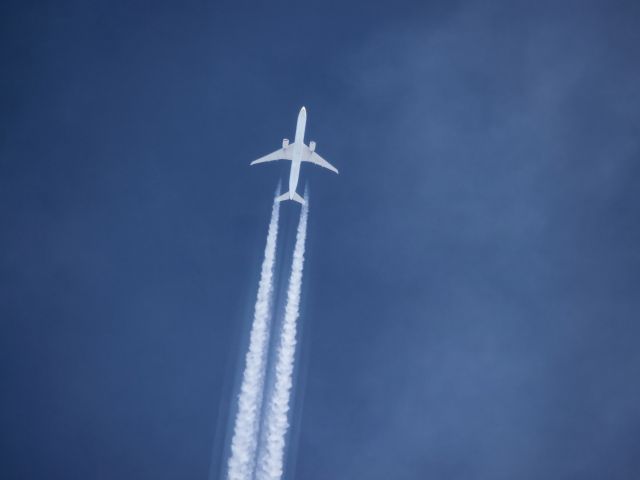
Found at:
[296, 153]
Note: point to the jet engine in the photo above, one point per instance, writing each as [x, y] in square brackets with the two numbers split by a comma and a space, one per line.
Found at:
[312, 146]
[285, 142]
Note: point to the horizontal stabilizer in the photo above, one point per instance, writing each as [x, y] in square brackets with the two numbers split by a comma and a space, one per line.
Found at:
[298, 198]
[287, 196]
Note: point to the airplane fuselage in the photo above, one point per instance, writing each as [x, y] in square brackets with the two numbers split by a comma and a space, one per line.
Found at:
[298, 145]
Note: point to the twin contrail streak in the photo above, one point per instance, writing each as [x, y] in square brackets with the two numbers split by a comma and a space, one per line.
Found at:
[262, 419]
[248, 417]
[270, 463]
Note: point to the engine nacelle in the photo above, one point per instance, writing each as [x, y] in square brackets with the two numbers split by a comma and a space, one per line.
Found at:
[312, 146]
[285, 142]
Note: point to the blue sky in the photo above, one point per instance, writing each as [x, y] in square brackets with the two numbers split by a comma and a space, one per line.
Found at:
[472, 284]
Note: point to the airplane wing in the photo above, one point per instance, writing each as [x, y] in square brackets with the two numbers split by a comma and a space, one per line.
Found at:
[280, 154]
[321, 162]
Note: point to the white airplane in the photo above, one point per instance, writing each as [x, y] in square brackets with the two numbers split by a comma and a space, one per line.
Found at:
[296, 152]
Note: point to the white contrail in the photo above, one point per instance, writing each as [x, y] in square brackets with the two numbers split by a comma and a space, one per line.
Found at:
[247, 422]
[271, 454]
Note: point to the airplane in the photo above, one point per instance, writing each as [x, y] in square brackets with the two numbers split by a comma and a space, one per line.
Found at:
[296, 152]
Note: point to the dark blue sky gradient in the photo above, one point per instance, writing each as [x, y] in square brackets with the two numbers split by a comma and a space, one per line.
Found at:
[472, 288]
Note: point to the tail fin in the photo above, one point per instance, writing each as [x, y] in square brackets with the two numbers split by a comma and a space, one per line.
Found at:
[296, 198]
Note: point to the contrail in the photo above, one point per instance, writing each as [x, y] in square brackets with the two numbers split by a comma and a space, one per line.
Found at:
[247, 422]
[276, 424]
